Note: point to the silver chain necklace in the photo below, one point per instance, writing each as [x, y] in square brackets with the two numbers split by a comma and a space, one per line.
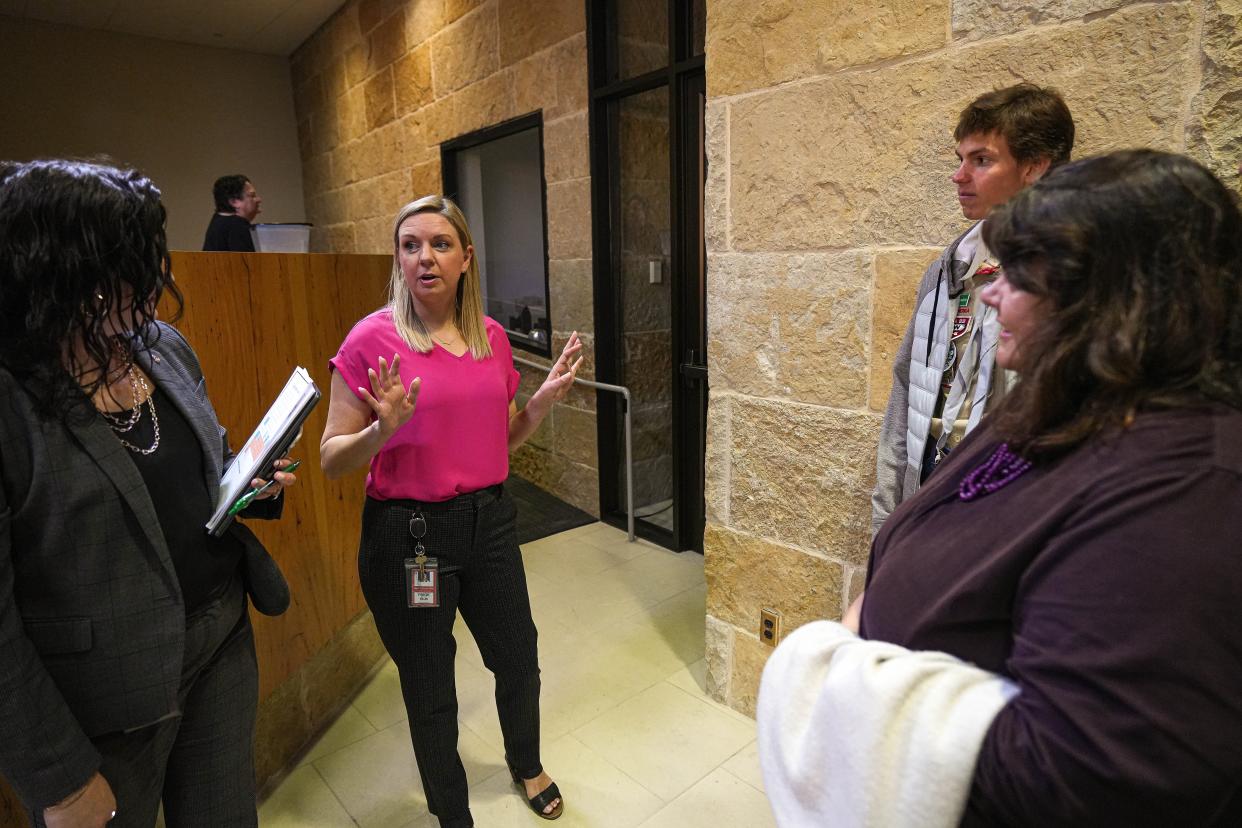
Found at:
[123, 424]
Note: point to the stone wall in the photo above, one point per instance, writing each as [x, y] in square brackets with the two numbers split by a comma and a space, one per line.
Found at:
[829, 132]
[377, 90]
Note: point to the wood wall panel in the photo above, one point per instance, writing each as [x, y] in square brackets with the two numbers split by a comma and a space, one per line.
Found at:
[251, 318]
[281, 340]
[217, 319]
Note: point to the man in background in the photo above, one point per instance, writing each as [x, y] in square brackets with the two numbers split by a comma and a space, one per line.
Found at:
[237, 203]
[944, 375]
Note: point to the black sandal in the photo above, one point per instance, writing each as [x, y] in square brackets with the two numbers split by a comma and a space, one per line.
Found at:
[542, 799]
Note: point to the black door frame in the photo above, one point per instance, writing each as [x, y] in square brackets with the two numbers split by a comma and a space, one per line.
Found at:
[690, 319]
[684, 78]
[448, 178]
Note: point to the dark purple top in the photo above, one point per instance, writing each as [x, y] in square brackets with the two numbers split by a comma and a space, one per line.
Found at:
[1108, 585]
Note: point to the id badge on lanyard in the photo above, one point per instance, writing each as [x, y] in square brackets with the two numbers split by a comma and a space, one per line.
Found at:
[422, 574]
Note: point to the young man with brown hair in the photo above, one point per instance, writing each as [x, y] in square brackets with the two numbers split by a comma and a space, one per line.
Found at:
[944, 375]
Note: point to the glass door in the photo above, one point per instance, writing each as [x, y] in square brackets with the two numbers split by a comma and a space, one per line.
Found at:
[647, 155]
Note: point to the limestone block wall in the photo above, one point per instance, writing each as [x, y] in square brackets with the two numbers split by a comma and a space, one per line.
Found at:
[377, 90]
[829, 143]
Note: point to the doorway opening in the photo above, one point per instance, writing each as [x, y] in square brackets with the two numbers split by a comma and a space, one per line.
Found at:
[646, 114]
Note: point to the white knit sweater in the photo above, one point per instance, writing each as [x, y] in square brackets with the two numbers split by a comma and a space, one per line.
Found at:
[866, 733]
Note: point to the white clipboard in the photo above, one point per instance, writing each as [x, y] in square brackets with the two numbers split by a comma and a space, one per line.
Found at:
[269, 442]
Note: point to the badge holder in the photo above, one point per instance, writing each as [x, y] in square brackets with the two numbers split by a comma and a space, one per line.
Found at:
[422, 574]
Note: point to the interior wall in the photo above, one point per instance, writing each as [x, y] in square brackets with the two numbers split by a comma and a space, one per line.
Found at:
[829, 163]
[183, 114]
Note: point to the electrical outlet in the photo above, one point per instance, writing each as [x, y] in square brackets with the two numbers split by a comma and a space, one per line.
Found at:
[769, 627]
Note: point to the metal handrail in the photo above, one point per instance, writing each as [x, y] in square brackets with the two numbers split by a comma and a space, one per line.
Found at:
[629, 440]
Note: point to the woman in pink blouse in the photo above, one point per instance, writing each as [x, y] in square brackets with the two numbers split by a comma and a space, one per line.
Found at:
[423, 392]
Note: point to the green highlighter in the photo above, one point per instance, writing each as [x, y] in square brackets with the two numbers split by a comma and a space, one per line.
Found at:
[245, 500]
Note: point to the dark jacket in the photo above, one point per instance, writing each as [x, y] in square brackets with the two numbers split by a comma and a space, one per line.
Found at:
[92, 622]
[228, 234]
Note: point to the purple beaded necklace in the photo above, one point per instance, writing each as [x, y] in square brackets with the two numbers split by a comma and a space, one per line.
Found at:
[1001, 469]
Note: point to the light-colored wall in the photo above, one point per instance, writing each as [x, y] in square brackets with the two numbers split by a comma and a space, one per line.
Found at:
[384, 82]
[185, 115]
[829, 131]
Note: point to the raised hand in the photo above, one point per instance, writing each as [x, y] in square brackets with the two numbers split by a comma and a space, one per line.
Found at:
[560, 378]
[392, 403]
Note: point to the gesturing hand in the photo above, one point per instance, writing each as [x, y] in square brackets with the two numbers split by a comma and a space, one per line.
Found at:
[560, 378]
[392, 403]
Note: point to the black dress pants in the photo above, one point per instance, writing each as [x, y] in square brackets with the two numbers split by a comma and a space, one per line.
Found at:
[200, 763]
[474, 539]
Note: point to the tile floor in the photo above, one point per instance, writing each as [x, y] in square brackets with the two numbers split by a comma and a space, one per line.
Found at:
[627, 730]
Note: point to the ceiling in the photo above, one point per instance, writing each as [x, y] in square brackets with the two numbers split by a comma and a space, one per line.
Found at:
[270, 27]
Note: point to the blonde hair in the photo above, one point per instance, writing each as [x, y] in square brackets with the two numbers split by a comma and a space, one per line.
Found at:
[468, 306]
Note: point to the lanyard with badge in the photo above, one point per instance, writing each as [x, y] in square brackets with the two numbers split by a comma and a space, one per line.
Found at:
[422, 574]
[967, 333]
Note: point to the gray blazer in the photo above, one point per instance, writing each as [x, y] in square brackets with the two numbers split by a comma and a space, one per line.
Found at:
[92, 623]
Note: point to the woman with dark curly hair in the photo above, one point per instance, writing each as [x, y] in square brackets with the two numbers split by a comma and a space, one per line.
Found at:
[1050, 629]
[127, 664]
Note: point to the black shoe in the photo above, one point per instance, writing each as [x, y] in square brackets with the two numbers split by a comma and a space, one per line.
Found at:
[542, 799]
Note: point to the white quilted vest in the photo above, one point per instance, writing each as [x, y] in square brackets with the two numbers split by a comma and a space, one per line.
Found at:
[926, 369]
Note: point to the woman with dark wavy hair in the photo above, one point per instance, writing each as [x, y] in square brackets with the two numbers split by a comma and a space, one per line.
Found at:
[127, 665]
[1050, 629]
